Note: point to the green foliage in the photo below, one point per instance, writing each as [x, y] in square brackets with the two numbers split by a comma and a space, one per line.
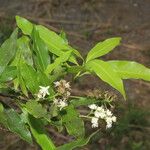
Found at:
[13, 121]
[78, 143]
[29, 66]
[34, 108]
[103, 48]
[37, 129]
[106, 73]
[41, 57]
[83, 101]
[9, 73]
[127, 70]
[58, 62]
[72, 122]
[30, 77]
[8, 50]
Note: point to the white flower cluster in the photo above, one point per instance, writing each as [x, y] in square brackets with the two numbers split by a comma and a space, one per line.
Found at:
[101, 112]
[43, 92]
[63, 89]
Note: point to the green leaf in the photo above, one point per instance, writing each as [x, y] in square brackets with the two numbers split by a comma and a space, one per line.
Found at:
[29, 76]
[22, 84]
[63, 36]
[58, 61]
[8, 50]
[104, 71]
[75, 69]
[8, 74]
[103, 48]
[130, 69]
[1, 108]
[37, 129]
[73, 123]
[12, 120]
[24, 50]
[55, 43]
[83, 101]
[77, 143]
[35, 109]
[25, 25]
[42, 58]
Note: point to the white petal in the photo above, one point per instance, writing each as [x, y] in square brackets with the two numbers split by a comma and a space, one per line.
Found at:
[93, 107]
[57, 83]
[94, 120]
[108, 113]
[94, 125]
[114, 119]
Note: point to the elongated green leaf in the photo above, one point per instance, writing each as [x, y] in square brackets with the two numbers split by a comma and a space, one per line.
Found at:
[63, 36]
[8, 50]
[37, 129]
[22, 85]
[8, 74]
[29, 76]
[104, 71]
[130, 69]
[73, 123]
[58, 61]
[25, 25]
[55, 43]
[1, 108]
[103, 48]
[75, 69]
[12, 120]
[35, 109]
[77, 143]
[23, 53]
[42, 58]
[83, 101]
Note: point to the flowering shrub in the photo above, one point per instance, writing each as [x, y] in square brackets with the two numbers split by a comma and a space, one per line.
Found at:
[33, 64]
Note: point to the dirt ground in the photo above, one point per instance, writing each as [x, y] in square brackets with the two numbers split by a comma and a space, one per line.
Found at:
[87, 22]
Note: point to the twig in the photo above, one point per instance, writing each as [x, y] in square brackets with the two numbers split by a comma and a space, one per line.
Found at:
[53, 28]
[64, 21]
[58, 134]
[138, 126]
[132, 46]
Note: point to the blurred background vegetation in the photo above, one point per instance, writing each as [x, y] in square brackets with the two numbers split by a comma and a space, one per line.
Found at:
[87, 22]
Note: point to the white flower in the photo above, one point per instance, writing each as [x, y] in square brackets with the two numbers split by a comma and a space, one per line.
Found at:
[108, 120]
[100, 108]
[108, 113]
[99, 114]
[57, 83]
[62, 104]
[94, 122]
[114, 118]
[94, 125]
[93, 107]
[43, 92]
[109, 125]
